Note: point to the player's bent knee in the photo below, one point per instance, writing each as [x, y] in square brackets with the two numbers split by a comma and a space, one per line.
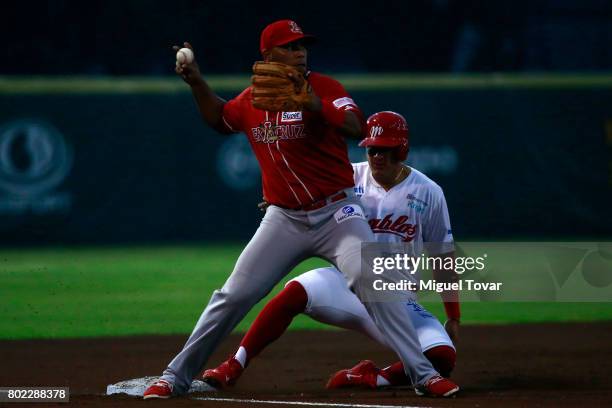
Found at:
[293, 298]
[442, 358]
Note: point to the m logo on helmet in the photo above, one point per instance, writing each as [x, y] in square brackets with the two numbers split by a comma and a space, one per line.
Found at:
[376, 131]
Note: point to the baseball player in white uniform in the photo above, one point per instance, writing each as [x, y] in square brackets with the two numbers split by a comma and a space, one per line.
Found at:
[402, 205]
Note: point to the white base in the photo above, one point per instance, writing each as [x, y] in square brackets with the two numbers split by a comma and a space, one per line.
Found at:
[137, 386]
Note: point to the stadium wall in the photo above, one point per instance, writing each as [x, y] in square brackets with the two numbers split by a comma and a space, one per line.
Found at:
[119, 160]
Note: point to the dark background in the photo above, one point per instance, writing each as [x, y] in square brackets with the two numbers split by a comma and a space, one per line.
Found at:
[134, 37]
[515, 161]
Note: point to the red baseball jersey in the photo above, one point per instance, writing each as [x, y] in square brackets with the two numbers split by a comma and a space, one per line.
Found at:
[302, 158]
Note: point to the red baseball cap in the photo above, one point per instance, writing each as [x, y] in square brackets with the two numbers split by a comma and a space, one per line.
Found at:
[281, 32]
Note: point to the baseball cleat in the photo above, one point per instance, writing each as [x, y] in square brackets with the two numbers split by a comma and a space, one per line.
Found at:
[160, 389]
[223, 376]
[362, 375]
[437, 386]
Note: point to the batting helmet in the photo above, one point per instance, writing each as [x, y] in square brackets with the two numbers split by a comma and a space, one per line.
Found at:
[387, 129]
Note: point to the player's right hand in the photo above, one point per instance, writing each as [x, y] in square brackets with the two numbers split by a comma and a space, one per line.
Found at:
[189, 72]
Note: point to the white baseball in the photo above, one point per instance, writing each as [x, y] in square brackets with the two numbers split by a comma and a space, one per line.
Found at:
[184, 56]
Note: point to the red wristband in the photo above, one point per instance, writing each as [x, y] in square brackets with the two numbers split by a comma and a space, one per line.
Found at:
[332, 115]
[452, 310]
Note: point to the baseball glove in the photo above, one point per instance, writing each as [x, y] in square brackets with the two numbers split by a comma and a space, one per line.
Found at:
[278, 87]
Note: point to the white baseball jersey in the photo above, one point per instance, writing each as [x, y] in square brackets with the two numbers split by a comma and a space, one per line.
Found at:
[412, 212]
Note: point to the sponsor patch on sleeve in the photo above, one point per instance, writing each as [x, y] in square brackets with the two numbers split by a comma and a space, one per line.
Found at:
[344, 101]
[348, 212]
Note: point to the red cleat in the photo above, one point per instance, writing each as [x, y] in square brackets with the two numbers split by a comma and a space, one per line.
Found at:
[160, 389]
[437, 386]
[223, 376]
[362, 375]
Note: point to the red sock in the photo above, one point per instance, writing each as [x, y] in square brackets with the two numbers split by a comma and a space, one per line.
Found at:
[395, 374]
[274, 319]
[442, 358]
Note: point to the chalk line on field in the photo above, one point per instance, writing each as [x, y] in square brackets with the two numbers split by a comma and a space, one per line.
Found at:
[301, 403]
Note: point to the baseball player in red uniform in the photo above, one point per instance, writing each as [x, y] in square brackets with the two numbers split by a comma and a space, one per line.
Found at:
[314, 211]
[390, 192]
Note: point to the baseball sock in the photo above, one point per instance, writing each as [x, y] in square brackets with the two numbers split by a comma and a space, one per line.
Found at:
[392, 375]
[272, 321]
[442, 358]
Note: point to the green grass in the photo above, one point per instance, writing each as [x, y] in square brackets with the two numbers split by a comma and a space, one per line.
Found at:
[76, 292]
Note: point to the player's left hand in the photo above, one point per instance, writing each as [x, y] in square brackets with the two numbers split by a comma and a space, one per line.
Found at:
[310, 101]
[452, 328]
[279, 87]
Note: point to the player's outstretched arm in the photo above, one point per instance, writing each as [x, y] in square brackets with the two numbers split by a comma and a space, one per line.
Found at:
[209, 104]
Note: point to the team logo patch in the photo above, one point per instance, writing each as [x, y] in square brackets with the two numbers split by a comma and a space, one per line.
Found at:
[291, 117]
[416, 204]
[344, 101]
[295, 28]
[348, 212]
[376, 131]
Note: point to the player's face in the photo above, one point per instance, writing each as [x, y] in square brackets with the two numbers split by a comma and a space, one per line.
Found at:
[294, 54]
[382, 162]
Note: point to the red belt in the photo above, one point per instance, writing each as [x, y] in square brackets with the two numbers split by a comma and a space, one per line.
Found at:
[323, 202]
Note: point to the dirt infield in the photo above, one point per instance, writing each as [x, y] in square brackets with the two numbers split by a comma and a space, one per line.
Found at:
[547, 365]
